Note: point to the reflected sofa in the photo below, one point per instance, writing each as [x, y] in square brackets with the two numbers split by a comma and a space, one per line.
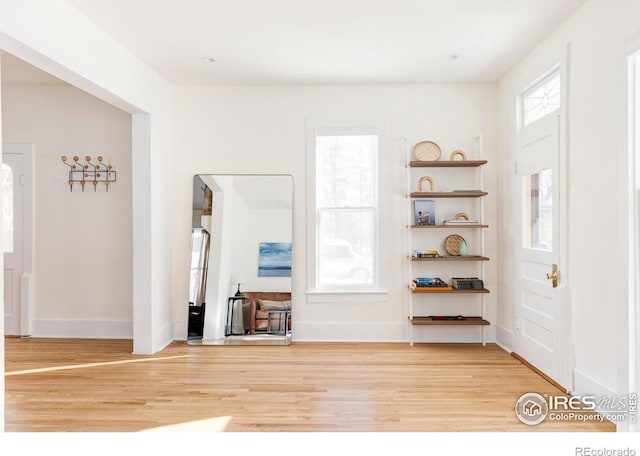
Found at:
[255, 309]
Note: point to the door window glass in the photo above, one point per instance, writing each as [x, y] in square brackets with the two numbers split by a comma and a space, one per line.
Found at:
[7, 208]
[538, 210]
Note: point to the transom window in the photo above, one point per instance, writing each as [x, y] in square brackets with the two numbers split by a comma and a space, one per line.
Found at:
[541, 99]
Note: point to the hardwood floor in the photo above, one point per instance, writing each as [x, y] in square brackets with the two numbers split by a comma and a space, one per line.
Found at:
[98, 385]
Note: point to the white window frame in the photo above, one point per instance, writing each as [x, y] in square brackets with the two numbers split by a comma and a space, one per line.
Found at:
[364, 293]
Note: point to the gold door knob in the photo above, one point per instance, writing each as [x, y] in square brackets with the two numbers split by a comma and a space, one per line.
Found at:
[553, 275]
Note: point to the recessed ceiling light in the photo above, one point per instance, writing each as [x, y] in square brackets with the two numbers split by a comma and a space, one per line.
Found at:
[208, 60]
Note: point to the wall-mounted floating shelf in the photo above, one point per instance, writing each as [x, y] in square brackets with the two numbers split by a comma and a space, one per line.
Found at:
[453, 258]
[468, 321]
[457, 194]
[89, 173]
[454, 291]
[467, 225]
[447, 164]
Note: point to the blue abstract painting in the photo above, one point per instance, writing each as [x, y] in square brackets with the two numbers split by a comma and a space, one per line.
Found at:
[274, 259]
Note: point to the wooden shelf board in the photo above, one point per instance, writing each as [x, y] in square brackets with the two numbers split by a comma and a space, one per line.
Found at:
[453, 258]
[447, 164]
[447, 194]
[425, 290]
[470, 321]
[467, 225]
[448, 289]
[483, 290]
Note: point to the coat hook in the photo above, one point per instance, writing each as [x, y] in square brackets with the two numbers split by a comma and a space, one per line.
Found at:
[88, 172]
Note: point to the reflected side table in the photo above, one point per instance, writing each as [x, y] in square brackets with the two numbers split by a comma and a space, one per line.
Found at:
[232, 303]
[281, 317]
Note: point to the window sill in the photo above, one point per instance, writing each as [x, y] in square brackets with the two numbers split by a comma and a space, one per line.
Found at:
[344, 296]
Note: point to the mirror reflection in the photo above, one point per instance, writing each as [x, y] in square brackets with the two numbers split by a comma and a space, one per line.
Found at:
[240, 270]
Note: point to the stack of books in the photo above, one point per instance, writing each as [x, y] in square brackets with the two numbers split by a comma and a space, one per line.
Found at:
[428, 282]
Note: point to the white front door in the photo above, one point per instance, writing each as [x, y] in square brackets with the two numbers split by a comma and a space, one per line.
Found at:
[12, 219]
[540, 325]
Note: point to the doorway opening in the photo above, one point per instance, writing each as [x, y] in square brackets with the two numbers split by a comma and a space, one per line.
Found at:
[17, 224]
[83, 258]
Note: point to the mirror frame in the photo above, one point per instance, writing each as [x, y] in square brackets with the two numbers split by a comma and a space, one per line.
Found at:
[226, 315]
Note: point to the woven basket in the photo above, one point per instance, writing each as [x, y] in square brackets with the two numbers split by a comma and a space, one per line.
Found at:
[426, 151]
[452, 244]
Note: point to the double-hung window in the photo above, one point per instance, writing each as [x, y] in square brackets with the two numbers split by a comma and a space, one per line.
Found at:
[346, 208]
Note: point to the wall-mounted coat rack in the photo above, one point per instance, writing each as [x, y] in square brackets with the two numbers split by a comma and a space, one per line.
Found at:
[89, 173]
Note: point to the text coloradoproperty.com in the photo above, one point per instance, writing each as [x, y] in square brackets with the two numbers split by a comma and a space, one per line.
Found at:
[562, 416]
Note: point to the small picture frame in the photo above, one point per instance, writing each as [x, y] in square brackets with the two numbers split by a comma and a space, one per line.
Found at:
[424, 212]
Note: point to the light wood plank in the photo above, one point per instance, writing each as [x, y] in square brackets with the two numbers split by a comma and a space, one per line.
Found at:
[98, 385]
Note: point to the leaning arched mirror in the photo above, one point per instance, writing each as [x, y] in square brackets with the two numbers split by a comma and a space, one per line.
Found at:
[240, 269]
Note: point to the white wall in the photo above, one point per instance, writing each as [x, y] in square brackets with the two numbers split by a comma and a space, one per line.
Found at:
[264, 225]
[54, 36]
[83, 250]
[245, 130]
[596, 270]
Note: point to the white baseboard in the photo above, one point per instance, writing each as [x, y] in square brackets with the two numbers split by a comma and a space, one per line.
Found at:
[164, 336]
[505, 339]
[83, 329]
[385, 332]
[453, 334]
[370, 332]
[348, 332]
[586, 385]
[179, 330]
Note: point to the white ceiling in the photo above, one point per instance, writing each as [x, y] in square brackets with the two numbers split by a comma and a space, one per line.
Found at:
[328, 41]
[257, 191]
[265, 191]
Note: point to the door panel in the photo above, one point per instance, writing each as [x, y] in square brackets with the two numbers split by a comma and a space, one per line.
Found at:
[538, 317]
[540, 309]
[13, 217]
